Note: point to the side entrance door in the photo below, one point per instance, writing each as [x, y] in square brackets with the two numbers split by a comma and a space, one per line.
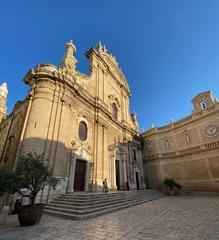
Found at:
[80, 170]
[117, 175]
[137, 180]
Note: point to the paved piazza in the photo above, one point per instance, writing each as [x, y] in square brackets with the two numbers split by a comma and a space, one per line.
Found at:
[180, 218]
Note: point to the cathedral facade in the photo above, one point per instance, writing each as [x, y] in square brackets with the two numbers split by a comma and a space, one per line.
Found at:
[81, 124]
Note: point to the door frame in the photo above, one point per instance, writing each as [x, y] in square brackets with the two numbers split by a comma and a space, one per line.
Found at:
[71, 176]
[136, 170]
[85, 170]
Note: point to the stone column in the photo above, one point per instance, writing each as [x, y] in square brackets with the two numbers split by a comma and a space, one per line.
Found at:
[125, 173]
[121, 178]
[71, 177]
[135, 180]
[87, 175]
[142, 177]
[114, 173]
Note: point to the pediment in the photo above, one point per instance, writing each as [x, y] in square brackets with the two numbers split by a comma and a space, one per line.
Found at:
[114, 99]
[115, 69]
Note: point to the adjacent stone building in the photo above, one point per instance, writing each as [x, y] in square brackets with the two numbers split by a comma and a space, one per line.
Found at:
[186, 150]
[80, 123]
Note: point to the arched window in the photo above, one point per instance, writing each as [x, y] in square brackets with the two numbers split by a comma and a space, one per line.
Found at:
[203, 104]
[114, 111]
[83, 131]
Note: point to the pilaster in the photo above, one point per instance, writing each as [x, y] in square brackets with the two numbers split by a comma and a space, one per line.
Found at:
[71, 178]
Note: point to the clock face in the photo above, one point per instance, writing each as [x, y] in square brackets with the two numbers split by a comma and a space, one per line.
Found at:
[211, 130]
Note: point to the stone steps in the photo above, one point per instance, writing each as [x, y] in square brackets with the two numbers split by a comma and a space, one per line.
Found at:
[101, 195]
[93, 196]
[79, 206]
[91, 206]
[102, 199]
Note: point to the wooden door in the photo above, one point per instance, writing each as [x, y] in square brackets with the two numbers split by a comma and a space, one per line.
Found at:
[137, 180]
[80, 170]
[117, 175]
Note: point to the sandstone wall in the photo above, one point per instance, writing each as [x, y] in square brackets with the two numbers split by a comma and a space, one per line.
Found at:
[60, 98]
[187, 151]
[10, 134]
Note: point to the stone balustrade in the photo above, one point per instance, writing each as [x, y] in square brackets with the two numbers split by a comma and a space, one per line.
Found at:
[182, 152]
[182, 121]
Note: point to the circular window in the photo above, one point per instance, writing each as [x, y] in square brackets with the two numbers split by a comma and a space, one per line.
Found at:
[83, 131]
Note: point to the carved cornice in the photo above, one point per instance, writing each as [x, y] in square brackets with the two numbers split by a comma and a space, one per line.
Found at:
[114, 99]
[51, 72]
[187, 151]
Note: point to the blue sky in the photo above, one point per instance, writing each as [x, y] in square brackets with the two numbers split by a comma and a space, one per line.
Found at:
[167, 49]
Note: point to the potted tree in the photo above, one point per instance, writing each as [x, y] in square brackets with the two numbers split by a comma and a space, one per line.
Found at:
[32, 176]
[172, 186]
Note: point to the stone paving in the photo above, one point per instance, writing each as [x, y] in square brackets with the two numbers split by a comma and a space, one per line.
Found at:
[178, 218]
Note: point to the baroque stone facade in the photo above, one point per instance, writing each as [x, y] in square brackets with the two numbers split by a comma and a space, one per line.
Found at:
[186, 150]
[80, 123]
[83, 127]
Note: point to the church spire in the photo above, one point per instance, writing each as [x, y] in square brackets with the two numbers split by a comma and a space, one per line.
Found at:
[3, 100]
[69, 61]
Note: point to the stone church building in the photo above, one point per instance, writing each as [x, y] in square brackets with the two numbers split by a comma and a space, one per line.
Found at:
[80, 123]
[82, 126]
[186, 150]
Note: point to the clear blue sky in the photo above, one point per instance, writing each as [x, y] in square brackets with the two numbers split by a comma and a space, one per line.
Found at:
[168, 50]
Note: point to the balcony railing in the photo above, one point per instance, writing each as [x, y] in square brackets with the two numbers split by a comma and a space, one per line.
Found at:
[183, 121]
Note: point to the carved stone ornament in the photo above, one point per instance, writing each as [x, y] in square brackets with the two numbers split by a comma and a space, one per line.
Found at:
[211, 131]
[73, 143]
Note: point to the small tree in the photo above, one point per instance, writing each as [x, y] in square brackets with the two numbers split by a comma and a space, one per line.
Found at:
[30, 173]
[7, 181]
[7, 184]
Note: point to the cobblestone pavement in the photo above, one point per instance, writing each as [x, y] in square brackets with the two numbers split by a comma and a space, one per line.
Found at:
[178, 218]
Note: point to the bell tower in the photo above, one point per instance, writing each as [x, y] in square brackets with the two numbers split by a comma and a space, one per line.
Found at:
[203, 100]
[69, 61]
[3, 100]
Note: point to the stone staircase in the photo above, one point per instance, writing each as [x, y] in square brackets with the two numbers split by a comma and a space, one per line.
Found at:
[79, 206]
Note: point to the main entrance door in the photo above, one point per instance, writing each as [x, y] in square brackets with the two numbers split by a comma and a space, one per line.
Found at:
[79, 175]
[117, 175]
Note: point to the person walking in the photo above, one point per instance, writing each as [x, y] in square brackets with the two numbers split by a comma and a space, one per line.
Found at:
[105, 186]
